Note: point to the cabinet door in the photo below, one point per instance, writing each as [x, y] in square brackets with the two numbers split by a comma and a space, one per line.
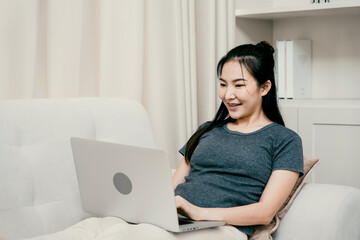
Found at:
[333, 135]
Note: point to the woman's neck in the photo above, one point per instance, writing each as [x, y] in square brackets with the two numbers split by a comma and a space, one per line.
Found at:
[250, 124]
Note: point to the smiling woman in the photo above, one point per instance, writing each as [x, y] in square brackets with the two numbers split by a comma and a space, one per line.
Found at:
[241, 166]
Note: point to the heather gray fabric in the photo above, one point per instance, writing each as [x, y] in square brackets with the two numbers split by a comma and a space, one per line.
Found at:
[231, 169]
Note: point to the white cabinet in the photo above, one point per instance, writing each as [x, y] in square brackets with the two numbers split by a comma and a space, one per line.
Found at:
[329, 123]
[330, 130]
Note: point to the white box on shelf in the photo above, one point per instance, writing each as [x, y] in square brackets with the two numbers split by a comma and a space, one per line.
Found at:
[294, 69]
[298, 73]
[281, 71]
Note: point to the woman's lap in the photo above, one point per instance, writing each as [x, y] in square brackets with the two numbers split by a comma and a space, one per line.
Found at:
[110, 228]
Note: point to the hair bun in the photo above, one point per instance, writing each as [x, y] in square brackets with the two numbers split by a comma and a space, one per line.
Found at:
[266, 46]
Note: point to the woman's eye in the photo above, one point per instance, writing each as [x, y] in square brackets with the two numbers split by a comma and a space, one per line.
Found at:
[222, 85]
[239, 85]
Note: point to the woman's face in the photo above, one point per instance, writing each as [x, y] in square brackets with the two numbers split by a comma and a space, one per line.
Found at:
[240, 91]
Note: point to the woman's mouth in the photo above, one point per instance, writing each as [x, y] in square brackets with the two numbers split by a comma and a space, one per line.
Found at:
[233, 106]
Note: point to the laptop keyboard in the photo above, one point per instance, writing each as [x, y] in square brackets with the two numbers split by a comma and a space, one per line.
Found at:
[183, 221]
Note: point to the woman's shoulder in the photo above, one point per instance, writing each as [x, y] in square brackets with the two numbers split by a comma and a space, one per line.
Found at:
[284, 132]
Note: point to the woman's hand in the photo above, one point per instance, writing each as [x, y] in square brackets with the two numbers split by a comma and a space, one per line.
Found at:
[189, 210]
[276, 192]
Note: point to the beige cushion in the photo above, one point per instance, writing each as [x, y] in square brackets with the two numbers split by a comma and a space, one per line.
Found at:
[264, 232]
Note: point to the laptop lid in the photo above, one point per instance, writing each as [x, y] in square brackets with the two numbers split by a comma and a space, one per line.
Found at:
[130, 182]
[125, 181]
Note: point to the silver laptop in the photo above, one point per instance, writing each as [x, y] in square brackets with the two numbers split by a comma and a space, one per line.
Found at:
[132, 183]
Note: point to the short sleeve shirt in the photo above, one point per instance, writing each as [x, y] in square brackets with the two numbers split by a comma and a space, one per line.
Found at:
[230, 169]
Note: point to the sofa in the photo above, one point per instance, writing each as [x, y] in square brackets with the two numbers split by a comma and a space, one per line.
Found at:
[39, 193]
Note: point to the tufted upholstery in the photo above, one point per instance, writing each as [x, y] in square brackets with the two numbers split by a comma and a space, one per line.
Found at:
[38, 186]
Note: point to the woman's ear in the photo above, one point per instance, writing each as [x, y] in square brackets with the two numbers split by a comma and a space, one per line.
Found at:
[265, 87]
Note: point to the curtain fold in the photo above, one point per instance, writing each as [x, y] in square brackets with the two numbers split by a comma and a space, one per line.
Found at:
[188, 50]
[161, 53]
[18, 26]
[121, 48]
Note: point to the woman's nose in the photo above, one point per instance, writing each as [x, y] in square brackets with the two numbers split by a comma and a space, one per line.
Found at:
[229, 93]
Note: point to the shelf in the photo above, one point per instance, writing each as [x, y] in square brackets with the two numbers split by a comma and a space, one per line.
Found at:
[342, 7]
[333, 103]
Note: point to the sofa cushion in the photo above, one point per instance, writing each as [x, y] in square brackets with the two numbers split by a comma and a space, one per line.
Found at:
[39, 191]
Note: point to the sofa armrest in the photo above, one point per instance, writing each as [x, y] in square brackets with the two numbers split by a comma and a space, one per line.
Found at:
[322, 212]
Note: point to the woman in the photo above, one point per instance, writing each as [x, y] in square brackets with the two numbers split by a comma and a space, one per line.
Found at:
[241, 166]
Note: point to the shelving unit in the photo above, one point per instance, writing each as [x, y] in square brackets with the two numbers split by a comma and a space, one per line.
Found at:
[329, 122]
[333, 28]
[341, 8]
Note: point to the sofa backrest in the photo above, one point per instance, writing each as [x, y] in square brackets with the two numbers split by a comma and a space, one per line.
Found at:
[38, 186]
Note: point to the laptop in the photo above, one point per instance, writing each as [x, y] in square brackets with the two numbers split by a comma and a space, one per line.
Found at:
[129, 182]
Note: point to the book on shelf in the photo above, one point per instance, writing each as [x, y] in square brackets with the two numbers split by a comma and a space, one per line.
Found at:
[294, 62]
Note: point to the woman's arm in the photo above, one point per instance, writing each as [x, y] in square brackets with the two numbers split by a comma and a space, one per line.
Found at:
[181, 172]
[277, 190]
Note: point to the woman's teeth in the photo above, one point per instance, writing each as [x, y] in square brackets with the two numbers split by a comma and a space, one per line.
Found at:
[234, 104]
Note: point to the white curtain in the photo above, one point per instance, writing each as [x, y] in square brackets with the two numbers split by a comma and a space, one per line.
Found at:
[162, 53]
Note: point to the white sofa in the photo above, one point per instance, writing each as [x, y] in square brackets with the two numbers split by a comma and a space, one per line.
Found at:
[38, 187]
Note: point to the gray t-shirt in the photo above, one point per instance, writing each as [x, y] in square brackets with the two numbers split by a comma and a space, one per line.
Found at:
[230, 169]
